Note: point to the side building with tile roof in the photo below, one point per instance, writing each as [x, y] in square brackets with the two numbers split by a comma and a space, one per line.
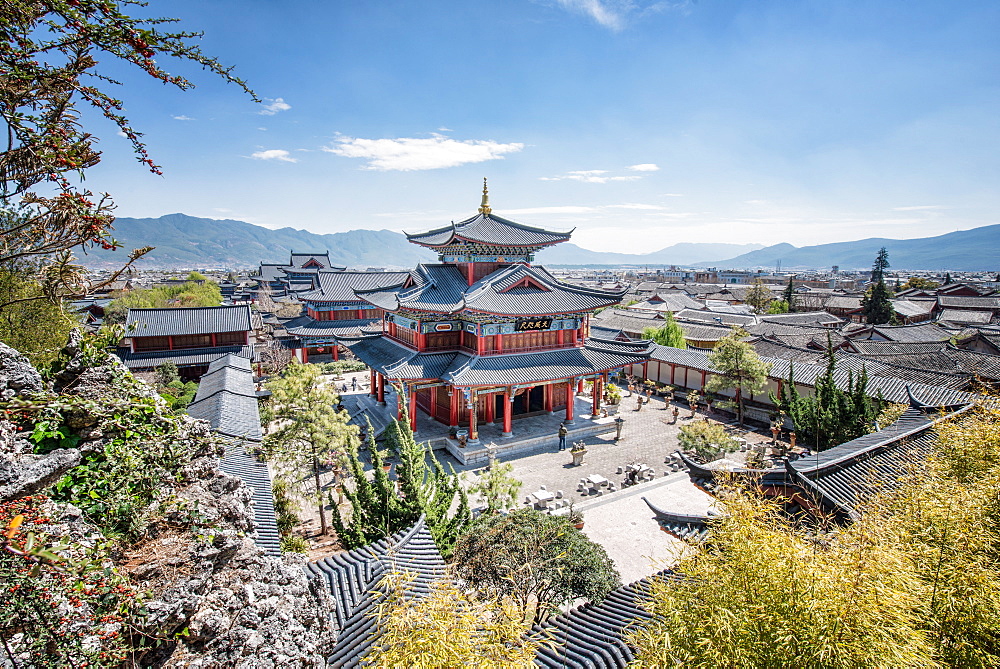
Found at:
[191, 338]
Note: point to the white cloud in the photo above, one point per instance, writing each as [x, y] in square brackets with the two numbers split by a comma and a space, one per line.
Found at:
[638, 206]
[274, 154]
[919, 207]
[645, 167]
[589, 177]
[596, 10]
[121, 133]
[444, 129]
[182, 117]
[412, 153]
[273, 106]
[614, 14]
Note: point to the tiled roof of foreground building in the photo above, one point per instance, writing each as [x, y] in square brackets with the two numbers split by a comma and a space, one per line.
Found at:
[839, 480]
[354, 578]
[590, 636]
[227, 400]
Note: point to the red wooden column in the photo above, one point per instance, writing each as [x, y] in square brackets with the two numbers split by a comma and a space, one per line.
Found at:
[473, 410]
[373, 386]
[596, 411]
[508, 411]
[305, 355]
[645, 370]
[491, 409]
[170, 343]
[413, 411]
[673, 370]
[336, 352]
[453, 407]
[579, 386]
[703, 381]
[381, 390]
[570, 400]
[549, 403]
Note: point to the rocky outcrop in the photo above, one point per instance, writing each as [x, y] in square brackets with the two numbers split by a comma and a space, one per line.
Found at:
[224, 601]
[22, 473]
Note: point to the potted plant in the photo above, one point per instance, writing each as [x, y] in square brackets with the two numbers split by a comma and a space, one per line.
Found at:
[612, 398]
[578, 450]
[575, 517]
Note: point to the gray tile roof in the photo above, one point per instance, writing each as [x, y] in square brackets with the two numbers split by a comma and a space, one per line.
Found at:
[843, 302]
[966, 316]
[299, 259]
[304, 326]
[892, 389]
[354, 578]
[845, 476]
[878, 367]
[187, 321]
[442, 288]
[772, 348]
[466, 369]
[715, 317]
[812, 318]
[254, 474]
[921, 332]
[990, 303]
[340, 286]
[912, 308]
[186, 358]
[684, 526]
[227, 399]
[842, 478]
[593, 636]
[488, 229]
[667, 302]
[632, 323]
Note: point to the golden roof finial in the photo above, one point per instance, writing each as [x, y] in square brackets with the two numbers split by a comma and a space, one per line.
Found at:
[484, 208]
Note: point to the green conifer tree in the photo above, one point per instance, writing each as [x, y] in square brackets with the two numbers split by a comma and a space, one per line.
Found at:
[832, 415]
[377, 510]
[789, 295]
[876, 305]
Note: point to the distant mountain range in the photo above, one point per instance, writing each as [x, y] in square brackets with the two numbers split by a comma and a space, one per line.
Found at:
[183, 241]
[965, 250]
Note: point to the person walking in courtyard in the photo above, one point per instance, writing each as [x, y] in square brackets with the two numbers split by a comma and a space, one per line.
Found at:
[562, 436]
[354, 383]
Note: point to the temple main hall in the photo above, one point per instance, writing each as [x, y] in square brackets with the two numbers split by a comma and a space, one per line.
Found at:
[484, 335]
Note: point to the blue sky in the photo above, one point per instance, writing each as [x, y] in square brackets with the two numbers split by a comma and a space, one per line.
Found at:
[641, 124]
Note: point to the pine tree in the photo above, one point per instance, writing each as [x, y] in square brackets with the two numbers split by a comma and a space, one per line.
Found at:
[876, 305]
[737, 366]
[424, 487]
[831, 416]
[311, 431]
[789, 295]
[947, 278]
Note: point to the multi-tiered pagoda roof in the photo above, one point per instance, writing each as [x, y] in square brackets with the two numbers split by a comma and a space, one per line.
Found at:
[515, 290]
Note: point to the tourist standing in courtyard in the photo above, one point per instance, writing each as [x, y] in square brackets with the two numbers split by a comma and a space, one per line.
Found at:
[562, 436]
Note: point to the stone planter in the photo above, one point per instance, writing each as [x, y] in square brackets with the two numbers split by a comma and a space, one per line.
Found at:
[578, 457]
[612, 408]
